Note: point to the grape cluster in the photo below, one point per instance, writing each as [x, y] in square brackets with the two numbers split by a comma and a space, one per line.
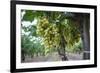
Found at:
[73, 35]
[43, 24]
[49, 32]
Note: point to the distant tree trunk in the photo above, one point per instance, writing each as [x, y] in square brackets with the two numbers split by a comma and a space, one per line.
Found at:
[85, 25]
[22, 55]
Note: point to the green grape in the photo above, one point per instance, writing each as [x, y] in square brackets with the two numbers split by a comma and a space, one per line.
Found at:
[51, 35]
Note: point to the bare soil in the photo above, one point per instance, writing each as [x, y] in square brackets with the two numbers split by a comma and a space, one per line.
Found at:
[53, 57]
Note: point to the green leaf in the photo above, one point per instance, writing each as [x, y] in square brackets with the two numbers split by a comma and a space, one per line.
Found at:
[29, 16]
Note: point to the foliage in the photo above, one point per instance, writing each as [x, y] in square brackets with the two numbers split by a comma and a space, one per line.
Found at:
[76, 48]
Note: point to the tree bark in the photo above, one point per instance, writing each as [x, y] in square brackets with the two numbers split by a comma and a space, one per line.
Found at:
[61, 49]
[22, 55]
[85, 36]
[62, 54]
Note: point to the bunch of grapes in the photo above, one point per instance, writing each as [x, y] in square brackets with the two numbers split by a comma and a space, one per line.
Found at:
[43, 24]
[49, 32]
[73, 35]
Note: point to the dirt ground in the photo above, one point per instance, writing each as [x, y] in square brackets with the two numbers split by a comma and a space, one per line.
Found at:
[53, 57]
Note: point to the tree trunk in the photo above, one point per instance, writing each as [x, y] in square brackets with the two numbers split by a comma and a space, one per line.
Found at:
[85, 36]
[22, 55]
[61, 49]
[62, 54]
